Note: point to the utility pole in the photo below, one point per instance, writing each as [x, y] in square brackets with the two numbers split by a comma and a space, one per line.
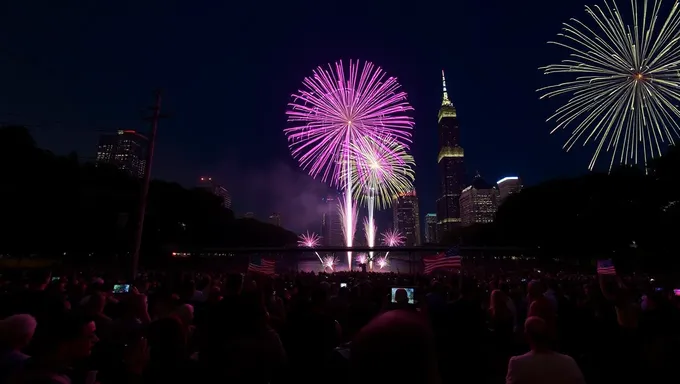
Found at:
[154, 118]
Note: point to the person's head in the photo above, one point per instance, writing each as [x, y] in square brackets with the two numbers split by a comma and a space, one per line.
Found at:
[497, 301]
[95, 304]
[401, 296]
[537, 333]
[66, 338]
[185, 313]
[535, 289]
[17, 331]
[395, 347]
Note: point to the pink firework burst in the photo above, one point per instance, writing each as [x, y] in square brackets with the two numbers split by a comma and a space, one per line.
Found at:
[309, 240]
[336, 108]
[362, 258]
[382, 262]
[392, 238]
[328, 262]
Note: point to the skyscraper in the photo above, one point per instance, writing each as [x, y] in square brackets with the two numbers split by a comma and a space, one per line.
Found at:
[451, 167]
[275, 219]
[407, 217]
[216, 189]
[478, 202]
[331, 228]
[431, 228]
[507, 186]
[126, 150]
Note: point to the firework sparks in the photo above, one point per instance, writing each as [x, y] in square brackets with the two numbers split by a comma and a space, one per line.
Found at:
[625, 94]
[383, 170]
[328, 262]
[309, 240]
[392, 238]
[348, 221]
[335, 110]
[382, 262]
[362, 258]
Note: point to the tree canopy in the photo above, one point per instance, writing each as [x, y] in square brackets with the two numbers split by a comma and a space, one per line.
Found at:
[55, 204]
[626, 212]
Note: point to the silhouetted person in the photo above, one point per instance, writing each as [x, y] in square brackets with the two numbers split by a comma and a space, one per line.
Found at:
[542, 364]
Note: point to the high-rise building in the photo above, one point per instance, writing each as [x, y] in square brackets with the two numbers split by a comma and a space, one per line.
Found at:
[407, 217]
[275, 219]
[478, 202]
[216, 189]
[451, 166]
[507, 186]
[431, 228]
[331, 227]
[126, 150]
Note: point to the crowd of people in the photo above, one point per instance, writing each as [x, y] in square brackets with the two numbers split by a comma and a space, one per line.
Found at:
[344, 327]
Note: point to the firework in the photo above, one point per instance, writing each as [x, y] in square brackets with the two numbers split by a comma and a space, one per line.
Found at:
[382, 262]
[328, 262]
[383, 170]
[335, 110]
[361, 258]
[309, 240]
[348, 221]
[624, 94]
[392, 238]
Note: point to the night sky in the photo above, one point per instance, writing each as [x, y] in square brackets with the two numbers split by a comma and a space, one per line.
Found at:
[71, 71]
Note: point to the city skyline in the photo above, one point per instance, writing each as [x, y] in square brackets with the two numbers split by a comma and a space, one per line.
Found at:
[222, 121]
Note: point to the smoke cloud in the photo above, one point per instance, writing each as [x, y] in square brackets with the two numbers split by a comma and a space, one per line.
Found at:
[279, 188]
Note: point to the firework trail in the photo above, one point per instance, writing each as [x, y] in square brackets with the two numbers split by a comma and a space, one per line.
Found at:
[310, 240]
[383, 170]
[348, 220]
[335, 109]
[624, 92]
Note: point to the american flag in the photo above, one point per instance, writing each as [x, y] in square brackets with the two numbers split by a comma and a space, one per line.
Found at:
[605, 267]
[262, 265]
[448, 259]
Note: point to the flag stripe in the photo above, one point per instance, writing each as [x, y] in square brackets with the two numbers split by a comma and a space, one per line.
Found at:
[605, 267]
[266, 267]
[448, 259]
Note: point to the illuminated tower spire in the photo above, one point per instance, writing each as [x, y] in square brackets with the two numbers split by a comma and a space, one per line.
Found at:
[445, 100]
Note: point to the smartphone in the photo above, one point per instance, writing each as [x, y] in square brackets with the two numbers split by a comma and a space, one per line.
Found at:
[676, 292]
[343, 285]
[121, 288]
[524, 280]
[410, 292]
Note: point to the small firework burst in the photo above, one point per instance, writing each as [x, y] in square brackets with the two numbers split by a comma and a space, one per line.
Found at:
[309, 240]
[362, 258]
[329, 262]
[382, 262]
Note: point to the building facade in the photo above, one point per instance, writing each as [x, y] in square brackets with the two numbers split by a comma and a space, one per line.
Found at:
[451, 166]
[216, 189]
[478, 202]
[406, 216]
[331, 227]
[507, 186]
[125, 150]
[431, 228]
